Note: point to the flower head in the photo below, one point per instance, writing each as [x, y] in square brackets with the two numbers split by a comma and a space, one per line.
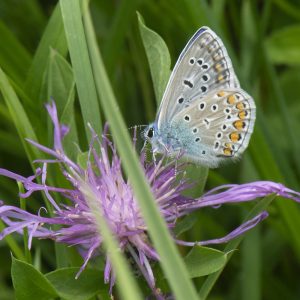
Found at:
[113, 194]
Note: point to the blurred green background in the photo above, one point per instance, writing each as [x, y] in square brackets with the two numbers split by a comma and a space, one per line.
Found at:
[263, 40]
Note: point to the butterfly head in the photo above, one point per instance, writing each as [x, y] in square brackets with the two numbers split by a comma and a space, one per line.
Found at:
[150, 132]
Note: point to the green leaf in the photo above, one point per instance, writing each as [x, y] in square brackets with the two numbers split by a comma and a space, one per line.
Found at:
[89, 283]
[158, 57]
[198, 175]
[9, 144]
[82, 159]
[53, 37]
[81, 65]
[118, 31]
[185, 224]
[202, 261]
[18, 115]
[289, 8]
[249, 36]
[61, 88]
[29, 283]
[283, 46]
[15, 63]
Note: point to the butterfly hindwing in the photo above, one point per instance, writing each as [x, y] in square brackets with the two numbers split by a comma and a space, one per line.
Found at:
[219, 125]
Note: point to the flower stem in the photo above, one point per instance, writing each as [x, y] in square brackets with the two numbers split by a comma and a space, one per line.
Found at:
[27, 257]
[231, 246]
[14, 247]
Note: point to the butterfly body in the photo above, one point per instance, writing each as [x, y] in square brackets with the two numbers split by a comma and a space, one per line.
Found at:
[204, 113]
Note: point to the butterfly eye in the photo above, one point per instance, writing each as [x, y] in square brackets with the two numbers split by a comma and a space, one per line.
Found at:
[150, 133]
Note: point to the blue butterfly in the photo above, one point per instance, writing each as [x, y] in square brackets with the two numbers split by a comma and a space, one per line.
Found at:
[204, 113]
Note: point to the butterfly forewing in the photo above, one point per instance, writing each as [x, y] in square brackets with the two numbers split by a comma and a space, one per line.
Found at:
[202, 67]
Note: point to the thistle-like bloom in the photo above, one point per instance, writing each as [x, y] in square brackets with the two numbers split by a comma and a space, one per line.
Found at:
[114, 197]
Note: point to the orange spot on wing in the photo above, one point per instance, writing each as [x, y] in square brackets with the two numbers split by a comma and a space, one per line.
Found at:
[220, 78]
[227, 152]
[239, 125]
[218, 67]
[241, 105]
[231, 99]
[242, 114]
[216, 57]
[221, 94]
[235, 137]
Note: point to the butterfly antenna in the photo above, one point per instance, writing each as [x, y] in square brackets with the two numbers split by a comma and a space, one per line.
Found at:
[137, 126]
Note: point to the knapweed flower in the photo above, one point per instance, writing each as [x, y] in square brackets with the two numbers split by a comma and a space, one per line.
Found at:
[114, 196]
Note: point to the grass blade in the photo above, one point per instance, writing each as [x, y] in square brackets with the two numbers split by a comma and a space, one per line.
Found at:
[251, 268]
[15, 63]
[81, 65]
[18, 115]
[158, 57]
[117, 32]
[53, 37]
[72, 19]
[171, 262]
[61, 87]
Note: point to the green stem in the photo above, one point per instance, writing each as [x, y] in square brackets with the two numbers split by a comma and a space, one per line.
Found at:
[14, 247]
[25, 230]
[171, 262]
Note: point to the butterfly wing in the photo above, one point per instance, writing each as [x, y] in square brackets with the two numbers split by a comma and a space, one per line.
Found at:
[203, 66]
[217, 126]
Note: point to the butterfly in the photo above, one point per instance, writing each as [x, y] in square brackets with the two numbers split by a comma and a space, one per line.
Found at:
[204, 113]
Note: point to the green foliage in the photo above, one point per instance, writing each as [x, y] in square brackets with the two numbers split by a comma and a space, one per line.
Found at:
[29, 283]
[49, 51]
[171, 263]
[18, 115]
[81, 64]
[158, 57]
[202, 261]
[61, 87]
[283, 46]
[70, 288]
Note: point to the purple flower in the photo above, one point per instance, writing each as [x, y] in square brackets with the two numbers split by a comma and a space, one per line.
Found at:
[114, 196]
